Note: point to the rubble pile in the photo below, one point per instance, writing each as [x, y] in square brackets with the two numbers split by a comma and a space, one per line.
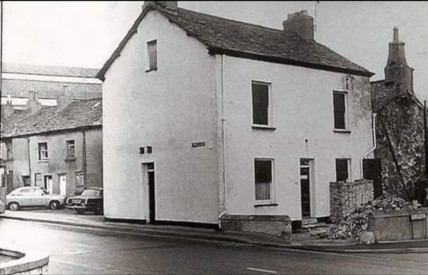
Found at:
[356, 222]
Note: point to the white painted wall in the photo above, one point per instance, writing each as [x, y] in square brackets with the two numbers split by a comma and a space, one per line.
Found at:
[302, 102]
[167, 109]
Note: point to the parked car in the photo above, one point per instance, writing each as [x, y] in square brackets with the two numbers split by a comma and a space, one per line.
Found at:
[91, 199]
[33, 196]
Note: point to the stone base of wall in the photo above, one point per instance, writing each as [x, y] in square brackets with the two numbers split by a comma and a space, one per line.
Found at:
[279, 226]
[346, 196]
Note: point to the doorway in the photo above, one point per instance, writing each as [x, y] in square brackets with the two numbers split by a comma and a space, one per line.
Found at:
[63, 185]
[305, 186]
[149, 170]
[48, 184]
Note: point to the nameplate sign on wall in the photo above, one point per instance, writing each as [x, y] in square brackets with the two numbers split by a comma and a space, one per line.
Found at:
[418, 217]
[198, 144]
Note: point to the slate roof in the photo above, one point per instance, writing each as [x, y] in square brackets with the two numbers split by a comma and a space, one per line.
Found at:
[225, 36]
[50, 89]
[76, 115]
[49, 70]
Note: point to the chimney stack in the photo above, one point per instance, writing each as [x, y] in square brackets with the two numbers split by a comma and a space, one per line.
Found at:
[300, 23]
[63, 99]
[33, 104]
[7, 109]
[397, 70]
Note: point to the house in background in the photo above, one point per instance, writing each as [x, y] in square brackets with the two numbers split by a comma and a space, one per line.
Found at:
[47, 82]
[400, 131]
[209, 117]
[59, 148]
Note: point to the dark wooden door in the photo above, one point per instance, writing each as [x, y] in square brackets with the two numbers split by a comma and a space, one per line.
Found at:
[152, 205]
[372, 170]
[305, 191]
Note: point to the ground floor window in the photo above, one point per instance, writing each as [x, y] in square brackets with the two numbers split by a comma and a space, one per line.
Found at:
[26, 180]
[343, 170]
[263, 169]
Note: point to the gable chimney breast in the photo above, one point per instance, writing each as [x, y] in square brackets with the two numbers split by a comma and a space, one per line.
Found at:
[397, 70]
[300, 23]
[63, 99]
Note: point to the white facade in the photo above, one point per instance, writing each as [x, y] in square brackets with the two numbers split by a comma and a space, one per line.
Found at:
[205, 100]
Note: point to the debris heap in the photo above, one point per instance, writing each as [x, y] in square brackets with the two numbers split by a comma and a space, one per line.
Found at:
[356, 222]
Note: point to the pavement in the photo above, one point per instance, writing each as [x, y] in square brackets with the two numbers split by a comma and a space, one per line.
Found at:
[298, 241]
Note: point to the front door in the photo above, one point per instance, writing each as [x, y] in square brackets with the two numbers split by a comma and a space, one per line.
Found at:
[151, 185]
[62, 185]
[48, 184]
[305, 187]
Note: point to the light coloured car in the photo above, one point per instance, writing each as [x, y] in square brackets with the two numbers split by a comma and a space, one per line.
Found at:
[33, 196]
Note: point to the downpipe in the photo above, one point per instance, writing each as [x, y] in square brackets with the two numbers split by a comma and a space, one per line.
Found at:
[371, 149]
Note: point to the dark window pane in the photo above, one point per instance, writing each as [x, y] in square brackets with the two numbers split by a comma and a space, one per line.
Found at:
[339, 110]
[263, 171]
[341, 170]
[152, 49]
[260, 103]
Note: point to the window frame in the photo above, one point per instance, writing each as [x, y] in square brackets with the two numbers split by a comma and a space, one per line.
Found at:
[9, 149]
[68, 150]
[40, 151]
[149, 55]
[349, 166]
[269, 111]
[272, 199]
[346, 117]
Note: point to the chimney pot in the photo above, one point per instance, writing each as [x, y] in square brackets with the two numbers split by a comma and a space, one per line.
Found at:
[395, 34]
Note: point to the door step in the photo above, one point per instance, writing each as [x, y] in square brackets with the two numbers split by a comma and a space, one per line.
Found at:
[308, 221]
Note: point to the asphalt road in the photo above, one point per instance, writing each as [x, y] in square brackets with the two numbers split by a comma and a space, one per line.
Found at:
[75, 250]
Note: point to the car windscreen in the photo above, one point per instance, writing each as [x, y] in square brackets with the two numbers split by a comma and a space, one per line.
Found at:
[90, 192]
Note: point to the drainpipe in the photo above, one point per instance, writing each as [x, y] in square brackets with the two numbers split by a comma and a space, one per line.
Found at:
[374, 144]
[29, 157]
[223, 136]
[84, 157]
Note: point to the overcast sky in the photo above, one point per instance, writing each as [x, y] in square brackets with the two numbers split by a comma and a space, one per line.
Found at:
[85, 34]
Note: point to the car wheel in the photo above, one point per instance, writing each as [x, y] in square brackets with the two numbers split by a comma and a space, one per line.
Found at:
[53, 205]
[13, 206]
[80, 211]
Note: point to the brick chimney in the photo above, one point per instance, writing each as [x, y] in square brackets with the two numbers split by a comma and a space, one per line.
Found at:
[33, 104]
[396, 69]
[300, 23]
[7, 109]
[63, 99]
[168, 4]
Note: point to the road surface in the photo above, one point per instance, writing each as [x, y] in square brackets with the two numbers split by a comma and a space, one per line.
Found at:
[76, 250]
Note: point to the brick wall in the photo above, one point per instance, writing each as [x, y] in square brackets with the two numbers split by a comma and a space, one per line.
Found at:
[346, 196]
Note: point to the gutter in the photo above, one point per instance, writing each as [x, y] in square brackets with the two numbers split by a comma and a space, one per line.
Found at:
[374, 144]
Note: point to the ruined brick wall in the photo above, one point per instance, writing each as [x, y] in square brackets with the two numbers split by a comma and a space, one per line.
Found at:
[346, 196]
[403, 120]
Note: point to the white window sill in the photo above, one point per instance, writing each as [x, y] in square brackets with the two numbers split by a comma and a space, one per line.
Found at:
[343, 131]
[43, 160]
[263, 127]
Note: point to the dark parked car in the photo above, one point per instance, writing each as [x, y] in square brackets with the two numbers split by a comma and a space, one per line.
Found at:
[91, 199]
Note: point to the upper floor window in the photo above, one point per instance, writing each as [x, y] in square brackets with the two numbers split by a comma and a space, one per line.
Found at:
[43, 151]
[261, 103]
[340, 110]
[70, 149]
[9, 149]
[153, 55]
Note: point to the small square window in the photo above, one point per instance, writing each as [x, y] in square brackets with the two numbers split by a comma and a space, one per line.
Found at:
[43, 151]
[263, 180]
[152, 54]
